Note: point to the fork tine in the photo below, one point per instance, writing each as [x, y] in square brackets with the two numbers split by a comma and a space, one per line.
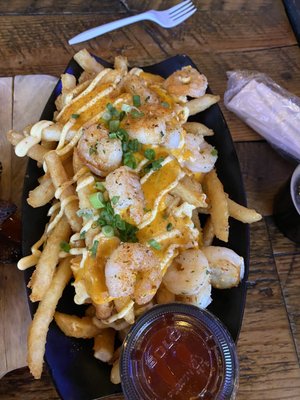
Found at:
[179, 10]
[178, 20]
[183, 11]
[177, 7]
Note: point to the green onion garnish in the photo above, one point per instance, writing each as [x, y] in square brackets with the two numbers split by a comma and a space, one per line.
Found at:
[100, 186]
[129, 160]
[85, 212]
[94, 248]
[82, 235]
[96, 200]
[153, 243]
[65, 246]
[108, 231]
[106, 116]
[169, 227]
[137, 114]
[165, 104]
[75, 116]
[136, 100]
[126, 108]
[214, 152]
[115, 199]
[113, 125]
[150, 154]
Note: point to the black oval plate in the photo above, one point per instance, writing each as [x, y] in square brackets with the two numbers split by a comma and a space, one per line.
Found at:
[77, 375]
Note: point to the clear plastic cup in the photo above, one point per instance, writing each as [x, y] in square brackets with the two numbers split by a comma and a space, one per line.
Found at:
[179, 351]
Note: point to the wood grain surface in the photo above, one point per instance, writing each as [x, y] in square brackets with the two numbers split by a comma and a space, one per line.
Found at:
[221, 36]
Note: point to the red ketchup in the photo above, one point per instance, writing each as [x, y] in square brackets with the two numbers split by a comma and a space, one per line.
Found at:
[178, 351]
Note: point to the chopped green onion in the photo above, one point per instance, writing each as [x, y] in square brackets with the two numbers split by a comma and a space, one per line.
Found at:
[115, 200]
[153, 243]
[113, 135]
[214, 152]
[65, 246]
[106, 116]
[134, 145]
[108, 231]
[113, 125]
[154, 165]
[94, 248]
[96, 200]
[136, 100]
[129, 160]
[169, 227]
[122, 115]
[100, 186]
[75, 116]
[126, 108]
[85, 212]
[82, 235]
[137, 114]
[150, 154]
[113, 111]
[165, 104]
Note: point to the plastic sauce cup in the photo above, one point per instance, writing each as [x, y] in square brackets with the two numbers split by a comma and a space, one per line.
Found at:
[178, 351]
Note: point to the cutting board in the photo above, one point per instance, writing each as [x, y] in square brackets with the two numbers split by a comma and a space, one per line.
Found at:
[22, 99]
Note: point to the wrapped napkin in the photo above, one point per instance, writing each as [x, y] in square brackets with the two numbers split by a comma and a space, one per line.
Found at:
[22, 100]
[270, 110]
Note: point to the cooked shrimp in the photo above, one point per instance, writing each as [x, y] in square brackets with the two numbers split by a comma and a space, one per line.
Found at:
[100, 153]
[135, 84]
[133, 270]
[150, 127]
[227, 268]
[124, 185]
[201, 156]
[202, 299]
[186, 82]
[187, 273]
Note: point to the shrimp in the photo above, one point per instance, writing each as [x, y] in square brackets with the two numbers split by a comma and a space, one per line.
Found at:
[201, 155]
[187, 274]
[202, 299]
[186, 82]
[133, 270]
[100, 153]
[227, 268]
[136, 85]
[124, 185]
[151, 126]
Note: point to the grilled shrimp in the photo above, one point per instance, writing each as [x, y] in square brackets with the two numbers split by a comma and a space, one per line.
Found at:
[137, 85]
[187, 274]
[133, 270]
[202, 156]
[227, 268]
[186, 82]
[100, 153]
[124, 185]
[151, 126]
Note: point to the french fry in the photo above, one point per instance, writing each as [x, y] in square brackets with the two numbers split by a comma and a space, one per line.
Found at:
[104, 344]
[59, 176]
[190, 190]
[77, 327]
[43, 316]
[87, 62]
[103, 311]
[164, 296]
[208, 233]
[121, 63]
[241, 213]
[36, 152]
[115, 372]
[45, 268]
[42, 194]
[118, 325]
[219, 206]
[202, 103]
[120, 303]
[198, 129]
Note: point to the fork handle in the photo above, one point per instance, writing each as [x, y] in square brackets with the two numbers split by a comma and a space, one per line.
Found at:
[100, 30]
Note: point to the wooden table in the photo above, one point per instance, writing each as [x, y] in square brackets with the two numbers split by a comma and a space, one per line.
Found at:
[221, 36]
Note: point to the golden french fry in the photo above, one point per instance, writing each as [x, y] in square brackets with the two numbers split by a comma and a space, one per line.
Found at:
[198, 129]
[42, 194]
[196, 221]
[118, 325]
[202, 103]
[77, 327]
[219, 206]
[121, 63]
[68, 82]
[104, 344]
[45, 268]
[59, 177]
[115, 372]
[90, 311]
[87, 62]
[122, 302]
[208, 233]
[164, 296]
[36, 152]
[241, 213]
[103, 311]
[43, 316]
[190, 190]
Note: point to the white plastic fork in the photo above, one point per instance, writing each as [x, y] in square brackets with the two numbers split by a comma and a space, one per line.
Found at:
[167, 19]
